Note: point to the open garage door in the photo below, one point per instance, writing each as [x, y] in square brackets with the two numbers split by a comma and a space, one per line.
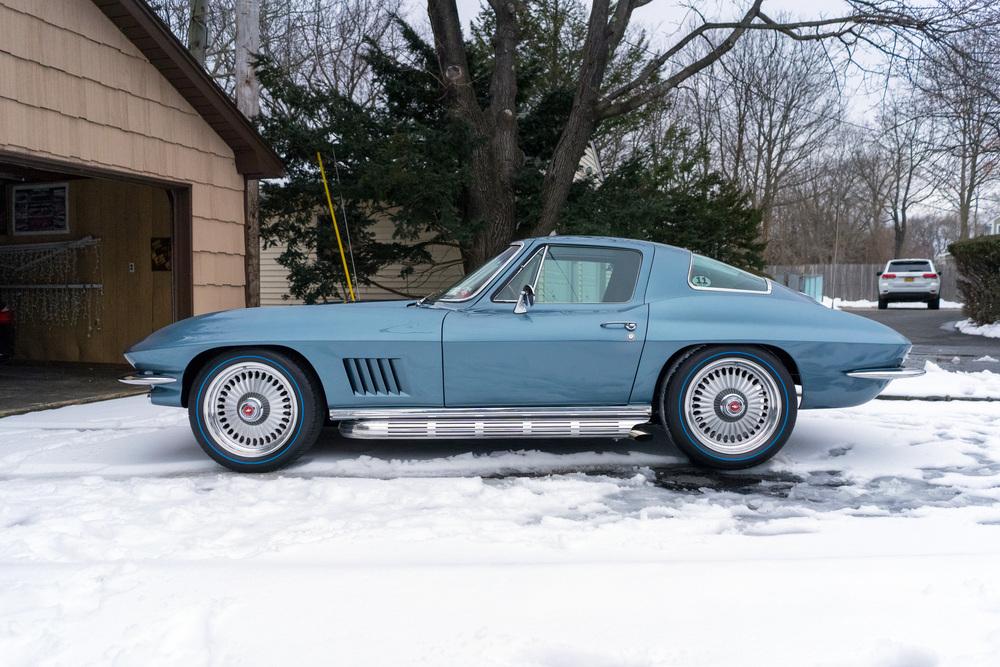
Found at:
[90, 264]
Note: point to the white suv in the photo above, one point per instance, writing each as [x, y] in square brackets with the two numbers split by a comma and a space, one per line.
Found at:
[909, 280]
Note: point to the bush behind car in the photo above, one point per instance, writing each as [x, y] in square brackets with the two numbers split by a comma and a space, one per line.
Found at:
[978, 262]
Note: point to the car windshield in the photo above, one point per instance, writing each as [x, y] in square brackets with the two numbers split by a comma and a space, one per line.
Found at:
[474, 281]
[902, 266]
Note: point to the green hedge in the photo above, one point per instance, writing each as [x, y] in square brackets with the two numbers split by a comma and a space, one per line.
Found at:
[978, 262]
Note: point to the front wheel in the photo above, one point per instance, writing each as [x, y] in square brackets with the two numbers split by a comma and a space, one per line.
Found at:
[728, 407]
[255, 410]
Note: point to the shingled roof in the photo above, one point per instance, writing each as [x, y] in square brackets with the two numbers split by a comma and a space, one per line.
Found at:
[137, 20]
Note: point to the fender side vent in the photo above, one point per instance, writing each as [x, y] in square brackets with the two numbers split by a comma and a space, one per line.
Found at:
[373, 376]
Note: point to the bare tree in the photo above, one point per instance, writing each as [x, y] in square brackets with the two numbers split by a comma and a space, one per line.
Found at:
[908, 142]
[766, 109]
[961, 85]
[880, 24]
[318, 41]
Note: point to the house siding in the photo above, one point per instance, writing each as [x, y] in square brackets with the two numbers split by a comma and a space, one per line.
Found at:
[75, 89]
[445, 270]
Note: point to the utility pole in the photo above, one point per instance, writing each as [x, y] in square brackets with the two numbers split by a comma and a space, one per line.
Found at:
[248, 101]
[198, 30]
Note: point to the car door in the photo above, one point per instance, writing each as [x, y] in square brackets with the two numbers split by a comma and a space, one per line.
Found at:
[579, 344]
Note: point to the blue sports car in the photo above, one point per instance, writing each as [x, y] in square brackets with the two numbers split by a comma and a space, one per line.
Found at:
[554, 337]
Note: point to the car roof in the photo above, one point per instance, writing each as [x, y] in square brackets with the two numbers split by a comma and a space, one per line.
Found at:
[602, 240]
[909, 259]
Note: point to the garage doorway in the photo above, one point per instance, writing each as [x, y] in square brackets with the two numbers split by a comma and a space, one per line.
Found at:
[90, 262]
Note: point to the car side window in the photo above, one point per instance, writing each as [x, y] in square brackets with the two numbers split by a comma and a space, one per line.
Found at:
[708, 273]
[577, 274]
[526, 275]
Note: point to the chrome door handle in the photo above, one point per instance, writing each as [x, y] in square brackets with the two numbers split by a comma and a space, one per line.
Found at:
[627, 326]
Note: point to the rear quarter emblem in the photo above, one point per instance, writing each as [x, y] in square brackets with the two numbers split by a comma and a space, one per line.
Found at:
[701, 281]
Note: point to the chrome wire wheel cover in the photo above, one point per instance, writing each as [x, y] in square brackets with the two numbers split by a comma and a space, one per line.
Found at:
[250, 409]
[732, 405]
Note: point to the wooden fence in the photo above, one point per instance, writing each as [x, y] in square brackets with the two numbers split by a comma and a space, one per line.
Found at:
[853, 282]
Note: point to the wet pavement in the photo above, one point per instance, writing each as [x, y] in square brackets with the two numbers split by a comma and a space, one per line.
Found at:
[25, 387]
[935, 338]
[763, 493]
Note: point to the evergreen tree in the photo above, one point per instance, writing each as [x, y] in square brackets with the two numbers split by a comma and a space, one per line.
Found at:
[406, 159]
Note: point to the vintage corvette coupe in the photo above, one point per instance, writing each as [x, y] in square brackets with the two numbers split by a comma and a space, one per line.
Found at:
[554, 337]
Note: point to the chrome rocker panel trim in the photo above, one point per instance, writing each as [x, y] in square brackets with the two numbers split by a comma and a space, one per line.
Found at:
[887, 373]
[461, 423]
[146, 380]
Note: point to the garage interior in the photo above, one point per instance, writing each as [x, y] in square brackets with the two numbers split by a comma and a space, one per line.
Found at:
[89, 264]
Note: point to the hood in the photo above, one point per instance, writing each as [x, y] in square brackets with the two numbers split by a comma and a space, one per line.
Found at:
[256, 325]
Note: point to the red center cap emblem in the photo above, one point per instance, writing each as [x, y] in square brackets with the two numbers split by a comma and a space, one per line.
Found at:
[248, 410]
[735, 406]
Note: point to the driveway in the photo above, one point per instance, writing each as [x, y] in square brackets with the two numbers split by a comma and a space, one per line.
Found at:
[874, 535]
[935, 338]
[25, 387]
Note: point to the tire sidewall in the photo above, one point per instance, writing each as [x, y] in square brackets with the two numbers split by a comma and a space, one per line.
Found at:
[306, 430]
[672, 408]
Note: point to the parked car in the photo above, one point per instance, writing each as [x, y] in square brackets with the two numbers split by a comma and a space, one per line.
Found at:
[6, 332]
[553, 337]
[909, 280]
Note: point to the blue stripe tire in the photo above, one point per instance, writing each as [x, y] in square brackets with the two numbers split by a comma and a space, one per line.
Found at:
[311, 410]
[672, 412]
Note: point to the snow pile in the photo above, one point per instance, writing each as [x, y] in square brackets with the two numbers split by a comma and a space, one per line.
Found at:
[839, 303]
[988, 359]
[122, 543]
[967, 326]
[939, 383]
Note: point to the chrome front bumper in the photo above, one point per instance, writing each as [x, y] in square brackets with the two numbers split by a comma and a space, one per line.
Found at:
[147, 380]
[886, 373]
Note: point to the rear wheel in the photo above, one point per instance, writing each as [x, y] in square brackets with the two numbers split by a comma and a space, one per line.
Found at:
[934, 304]
[255, 410]
[882, 304]
[728, 407]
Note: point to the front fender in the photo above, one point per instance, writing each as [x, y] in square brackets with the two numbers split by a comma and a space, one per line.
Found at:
[324, 335]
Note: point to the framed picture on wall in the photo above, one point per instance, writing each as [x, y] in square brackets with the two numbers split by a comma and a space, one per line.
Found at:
[160, 252]
[40, 208]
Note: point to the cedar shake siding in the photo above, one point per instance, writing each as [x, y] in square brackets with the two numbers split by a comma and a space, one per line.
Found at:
[75, 88]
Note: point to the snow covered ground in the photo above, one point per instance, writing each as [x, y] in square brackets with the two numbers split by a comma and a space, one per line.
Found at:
[839, 303]
[940, 383]
[872, 539]
[967, 326]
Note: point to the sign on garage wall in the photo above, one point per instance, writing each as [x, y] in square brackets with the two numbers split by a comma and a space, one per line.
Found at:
[40, 208]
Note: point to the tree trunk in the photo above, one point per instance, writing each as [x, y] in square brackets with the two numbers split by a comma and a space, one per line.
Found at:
[562, 169]
[496, 154]
[581, 122]
[198, 30]
[899, 232]
[248, 101]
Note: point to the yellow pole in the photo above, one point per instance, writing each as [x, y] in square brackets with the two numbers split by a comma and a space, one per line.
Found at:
[336, 229]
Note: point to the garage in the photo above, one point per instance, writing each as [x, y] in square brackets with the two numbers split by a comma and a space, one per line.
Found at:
[86, 263]
[123, 171]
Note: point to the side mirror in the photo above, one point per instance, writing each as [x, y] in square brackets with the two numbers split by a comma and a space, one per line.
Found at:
[525, 301]
[878, 273]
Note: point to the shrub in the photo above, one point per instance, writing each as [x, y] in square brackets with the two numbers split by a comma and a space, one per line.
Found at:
[978, 262]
